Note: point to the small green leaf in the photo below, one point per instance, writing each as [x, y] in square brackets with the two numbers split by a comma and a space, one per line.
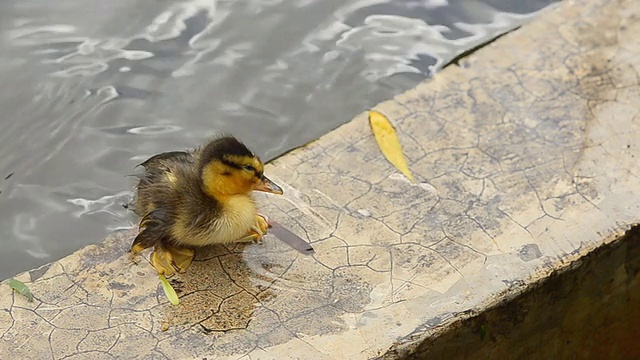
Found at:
[169, 291]
[483, 332]
[19, 287]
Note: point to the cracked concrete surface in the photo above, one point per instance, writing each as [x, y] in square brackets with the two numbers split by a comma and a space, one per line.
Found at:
[525, 158]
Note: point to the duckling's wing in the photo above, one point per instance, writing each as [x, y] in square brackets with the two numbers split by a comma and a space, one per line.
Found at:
[154, 227]
[167, 157]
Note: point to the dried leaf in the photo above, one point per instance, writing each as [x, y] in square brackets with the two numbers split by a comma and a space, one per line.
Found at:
[388, 142]
[169, 291]
[19, 287]
[288, 237]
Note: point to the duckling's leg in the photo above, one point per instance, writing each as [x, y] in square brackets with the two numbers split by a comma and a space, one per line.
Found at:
[257, 231]
[167, 259]
[142, 241]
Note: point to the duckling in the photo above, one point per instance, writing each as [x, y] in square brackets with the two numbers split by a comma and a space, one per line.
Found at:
[190, 199]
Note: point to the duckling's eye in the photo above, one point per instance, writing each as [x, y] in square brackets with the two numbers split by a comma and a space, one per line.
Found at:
[249, 168]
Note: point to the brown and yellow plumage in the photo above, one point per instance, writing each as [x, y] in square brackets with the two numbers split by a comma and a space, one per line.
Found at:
[198, 198]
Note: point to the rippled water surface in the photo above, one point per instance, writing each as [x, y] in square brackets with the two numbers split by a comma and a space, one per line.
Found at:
[89, 88]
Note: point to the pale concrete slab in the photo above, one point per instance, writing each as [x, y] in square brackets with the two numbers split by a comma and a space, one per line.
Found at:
[587, 311]
[526, 158]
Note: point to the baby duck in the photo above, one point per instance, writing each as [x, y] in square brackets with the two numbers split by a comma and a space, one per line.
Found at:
[197, 198]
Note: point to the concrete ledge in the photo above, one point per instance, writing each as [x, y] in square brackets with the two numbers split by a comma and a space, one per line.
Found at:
[589, 310]
[527, 160]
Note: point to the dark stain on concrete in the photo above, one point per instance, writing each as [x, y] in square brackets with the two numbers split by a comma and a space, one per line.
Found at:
[529, 252]
[39, 272]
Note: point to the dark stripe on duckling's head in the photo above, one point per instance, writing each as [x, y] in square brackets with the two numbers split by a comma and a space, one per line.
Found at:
[230, 163]
[222, 149]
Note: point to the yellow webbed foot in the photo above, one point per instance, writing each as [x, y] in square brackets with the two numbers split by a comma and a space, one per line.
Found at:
[167, 260]
[257, 231]
[134, 253]
[262, 224]
[142, 241]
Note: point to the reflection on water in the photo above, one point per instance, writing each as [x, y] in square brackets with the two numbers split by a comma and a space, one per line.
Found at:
[90, 88]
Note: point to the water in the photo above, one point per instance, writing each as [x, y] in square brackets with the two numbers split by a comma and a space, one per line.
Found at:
[90, 88]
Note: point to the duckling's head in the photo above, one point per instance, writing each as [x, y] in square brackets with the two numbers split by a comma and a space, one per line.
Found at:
[228, 167]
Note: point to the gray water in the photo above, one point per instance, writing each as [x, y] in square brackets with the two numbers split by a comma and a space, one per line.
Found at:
[90, 88]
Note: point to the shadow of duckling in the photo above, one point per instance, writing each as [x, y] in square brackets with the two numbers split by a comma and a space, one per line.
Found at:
[220, 290]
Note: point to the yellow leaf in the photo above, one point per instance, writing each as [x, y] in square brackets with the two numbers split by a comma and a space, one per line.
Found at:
[169, 291]
[388, 142]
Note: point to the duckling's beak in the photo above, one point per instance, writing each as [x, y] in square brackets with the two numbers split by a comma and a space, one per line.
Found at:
[267, 185]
